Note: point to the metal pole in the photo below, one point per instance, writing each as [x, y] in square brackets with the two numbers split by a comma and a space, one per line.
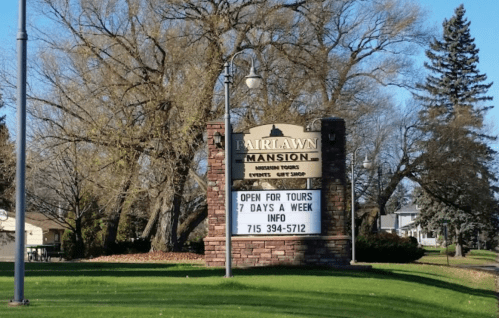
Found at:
[309, 183]
[353, 261]
[22, 38]
[228, 178]
[380, 185]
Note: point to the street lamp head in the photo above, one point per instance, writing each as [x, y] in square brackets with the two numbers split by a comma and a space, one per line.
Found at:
[367, 163]
[217, 140]
[253, 80]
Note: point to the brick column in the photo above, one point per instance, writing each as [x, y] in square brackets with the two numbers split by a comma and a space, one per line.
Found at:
[334, 184]
[215, 249]
[333, 177]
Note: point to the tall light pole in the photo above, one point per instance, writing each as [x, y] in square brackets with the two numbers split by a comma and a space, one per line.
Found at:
[253, 80]
[22, 39]
[367, 165]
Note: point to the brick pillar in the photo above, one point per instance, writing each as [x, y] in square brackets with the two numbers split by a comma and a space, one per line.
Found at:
[215, 249]
[334, 187]
[333, 177]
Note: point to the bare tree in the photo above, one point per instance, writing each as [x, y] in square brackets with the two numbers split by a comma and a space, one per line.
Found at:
[59, 186]
[138, 80]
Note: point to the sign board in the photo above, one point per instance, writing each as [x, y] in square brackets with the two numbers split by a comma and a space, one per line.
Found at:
[276, 212]
[276, 151]
[3, 215]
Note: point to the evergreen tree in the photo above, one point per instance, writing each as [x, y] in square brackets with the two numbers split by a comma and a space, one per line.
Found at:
[455, 87]
[456, 162]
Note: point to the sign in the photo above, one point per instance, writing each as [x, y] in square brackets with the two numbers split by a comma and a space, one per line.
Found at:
[3, 215]
[275, 152]
[276, 212]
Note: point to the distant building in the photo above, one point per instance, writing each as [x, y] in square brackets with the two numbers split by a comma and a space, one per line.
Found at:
[403, 223]
[389, 223]
[39, 230]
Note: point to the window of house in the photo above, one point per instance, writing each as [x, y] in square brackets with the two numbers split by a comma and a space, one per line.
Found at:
[57, 237]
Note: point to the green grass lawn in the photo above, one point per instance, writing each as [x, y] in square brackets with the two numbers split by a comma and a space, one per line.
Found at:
[169, 290]
[474, 257]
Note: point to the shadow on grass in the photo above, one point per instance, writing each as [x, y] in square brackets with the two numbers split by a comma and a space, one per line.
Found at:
[227, 296]
[94, 270]
[230, 295]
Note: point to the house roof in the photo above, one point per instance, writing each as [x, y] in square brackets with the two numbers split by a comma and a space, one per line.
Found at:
[388, 221]
[40, 220]
[408, 225]
[412, 208]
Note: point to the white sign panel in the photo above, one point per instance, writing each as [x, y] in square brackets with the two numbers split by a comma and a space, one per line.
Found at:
[288, 212]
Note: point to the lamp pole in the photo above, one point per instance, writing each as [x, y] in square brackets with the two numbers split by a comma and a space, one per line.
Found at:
[367, 165]
[253, 81]
[228, 177]
[22, 38]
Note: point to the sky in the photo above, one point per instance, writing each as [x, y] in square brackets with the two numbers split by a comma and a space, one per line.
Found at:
[483, 14]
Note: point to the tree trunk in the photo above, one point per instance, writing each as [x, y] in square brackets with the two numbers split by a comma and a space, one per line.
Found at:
[166, 232]
[79, 251]
[459, 244]
[115, 213]
[114, 218]
[160, 201]
[194, 219]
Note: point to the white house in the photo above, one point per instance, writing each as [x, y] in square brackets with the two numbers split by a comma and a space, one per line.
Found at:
[403, 223]
[39, 230]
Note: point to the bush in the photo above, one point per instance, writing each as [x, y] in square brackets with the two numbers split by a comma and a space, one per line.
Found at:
[194, 247]
[387, 248]
[131, 247]
[68, 246]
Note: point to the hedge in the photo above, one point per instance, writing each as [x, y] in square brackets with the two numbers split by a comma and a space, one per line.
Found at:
[387, 248]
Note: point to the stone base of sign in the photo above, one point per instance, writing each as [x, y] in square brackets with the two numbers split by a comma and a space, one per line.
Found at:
[279, 250]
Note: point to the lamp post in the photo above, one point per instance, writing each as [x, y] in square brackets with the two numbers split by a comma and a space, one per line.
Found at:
[253, 80]
[367, 165]
[22, 39]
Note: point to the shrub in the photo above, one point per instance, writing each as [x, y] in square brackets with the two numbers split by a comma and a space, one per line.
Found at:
[195, 246]
[387, 248]
[68, 245]
[131, 247]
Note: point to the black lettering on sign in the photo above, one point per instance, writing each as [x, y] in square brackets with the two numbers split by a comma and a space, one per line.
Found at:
[250, 197]
[262, 208]
[273, 197]
[259, 175]
[290, 167]
[283, 174]
[301, 196]
[276, 218]
[267, 168]
[301, 207]
[279, 157]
